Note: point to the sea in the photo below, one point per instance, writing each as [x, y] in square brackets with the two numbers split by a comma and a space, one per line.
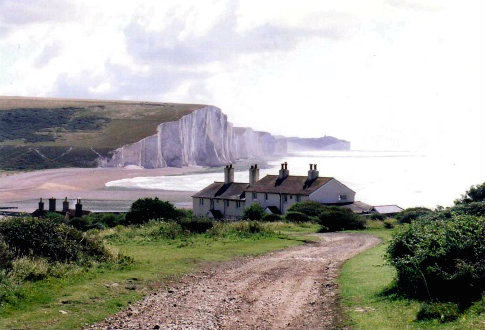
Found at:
[402, 178]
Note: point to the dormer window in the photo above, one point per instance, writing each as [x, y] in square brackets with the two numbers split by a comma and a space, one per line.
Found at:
[342, 197]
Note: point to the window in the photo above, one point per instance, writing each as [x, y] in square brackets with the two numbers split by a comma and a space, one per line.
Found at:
[255, 195]
[342, 197]
[266, 196]
[201, 201]
[286, 198]
[238, 204]
[297, 198]
[291, 196]
[227, 203]
[217, 201]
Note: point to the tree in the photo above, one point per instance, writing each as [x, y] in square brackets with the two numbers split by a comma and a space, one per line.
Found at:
[474, 194]
[146, 209]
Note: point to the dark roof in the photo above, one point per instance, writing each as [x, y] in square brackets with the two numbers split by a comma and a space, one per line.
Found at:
[221, 190]
[273, 209]
[296, 185]
[358, 207]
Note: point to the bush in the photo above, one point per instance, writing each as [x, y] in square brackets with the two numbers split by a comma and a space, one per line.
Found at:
[474, 194]
[334, 218]
[6, 256]
[293, 216]
[444, 312]
[377, 216]
[196, 225]
[81, 224]
[411, 214]
[170, 230]
[310, 208]
[472, 208]
[440, 258]
[46, 238]
[388, 224]
[271, 217]
[28, 269]
[240, 229]
[254, 212]
[146, 209]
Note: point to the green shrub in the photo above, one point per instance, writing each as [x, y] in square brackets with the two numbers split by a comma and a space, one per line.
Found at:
[377, 216]
[474, 194]
[472, 208]
[440, 258]
[82, 224]
[55, 216]
[411, 214]
[294, 216]
[444, 312]
[29, 269]
[196, 225]
[170, 230]
[240, 229]
[46, 238]
[388, 224]
[310, 208]
[254, 212]
[146, 209]
[6, 255]
[271, 217]
[334, 218]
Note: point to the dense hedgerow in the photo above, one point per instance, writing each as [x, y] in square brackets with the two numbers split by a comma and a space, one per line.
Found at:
[310, 208]
[334, 218]
[294, 216]
[271, 217]
[48, 239]
[472, 208]
[411, 214]
[440, 257]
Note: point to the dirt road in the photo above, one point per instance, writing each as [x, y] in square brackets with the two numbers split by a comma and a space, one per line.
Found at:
[290, 289]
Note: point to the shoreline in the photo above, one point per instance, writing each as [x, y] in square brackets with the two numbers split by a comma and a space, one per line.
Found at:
[23, 189]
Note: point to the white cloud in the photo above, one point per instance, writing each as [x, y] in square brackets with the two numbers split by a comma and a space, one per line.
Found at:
[381, 73]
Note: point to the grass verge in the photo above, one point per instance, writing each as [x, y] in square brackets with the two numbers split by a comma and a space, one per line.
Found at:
[362, 282]
[87, 296]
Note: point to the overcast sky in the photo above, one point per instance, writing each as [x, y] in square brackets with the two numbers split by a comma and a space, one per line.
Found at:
[385, 74]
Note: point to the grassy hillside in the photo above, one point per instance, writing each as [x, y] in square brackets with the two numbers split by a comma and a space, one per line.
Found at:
[46, 133]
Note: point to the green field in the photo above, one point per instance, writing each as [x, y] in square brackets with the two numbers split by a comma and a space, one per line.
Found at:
[37, 133]
[89, 295]
[363, 281]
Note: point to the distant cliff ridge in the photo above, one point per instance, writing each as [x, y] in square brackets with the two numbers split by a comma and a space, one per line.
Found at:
[322, 143]
[205, 137]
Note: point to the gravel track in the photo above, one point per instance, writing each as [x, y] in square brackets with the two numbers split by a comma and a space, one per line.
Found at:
[290, 289]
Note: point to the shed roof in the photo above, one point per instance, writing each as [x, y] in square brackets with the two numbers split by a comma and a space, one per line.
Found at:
[387, 209]
[221, 190]
[358, 207]
[296, 185]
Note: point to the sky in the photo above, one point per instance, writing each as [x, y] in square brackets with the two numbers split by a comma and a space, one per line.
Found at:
[384, 74]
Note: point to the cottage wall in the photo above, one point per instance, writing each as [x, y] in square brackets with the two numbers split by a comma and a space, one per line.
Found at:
[329, 193]
[274, 200]
[200, 210]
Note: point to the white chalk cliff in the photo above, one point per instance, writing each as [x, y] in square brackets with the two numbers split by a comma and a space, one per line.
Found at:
[203, 137]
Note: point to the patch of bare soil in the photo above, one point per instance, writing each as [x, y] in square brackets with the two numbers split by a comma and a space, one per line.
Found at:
[290, 289]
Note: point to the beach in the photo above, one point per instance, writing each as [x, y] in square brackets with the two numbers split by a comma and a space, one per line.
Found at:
[23, 189]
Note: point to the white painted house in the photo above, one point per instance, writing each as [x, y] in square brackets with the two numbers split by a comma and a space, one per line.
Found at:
[276, 193]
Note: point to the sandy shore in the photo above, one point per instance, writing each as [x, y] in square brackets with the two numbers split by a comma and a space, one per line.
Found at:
[24, 189]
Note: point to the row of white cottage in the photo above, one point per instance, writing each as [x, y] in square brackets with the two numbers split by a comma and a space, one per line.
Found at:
[276, 193]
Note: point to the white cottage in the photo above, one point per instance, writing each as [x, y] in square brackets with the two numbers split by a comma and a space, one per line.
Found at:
[276, 193]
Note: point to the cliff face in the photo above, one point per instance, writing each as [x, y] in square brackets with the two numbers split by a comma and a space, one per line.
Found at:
[203, 137]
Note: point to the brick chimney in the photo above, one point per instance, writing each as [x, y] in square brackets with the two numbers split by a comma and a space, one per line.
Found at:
[228, 174]
[312, 173]
[65, 205]
[78, 212]
[284, 173]
[52, 204]
[253, 174]
[41, 205]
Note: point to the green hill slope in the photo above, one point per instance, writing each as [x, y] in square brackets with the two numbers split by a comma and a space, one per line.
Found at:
[37, 133]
